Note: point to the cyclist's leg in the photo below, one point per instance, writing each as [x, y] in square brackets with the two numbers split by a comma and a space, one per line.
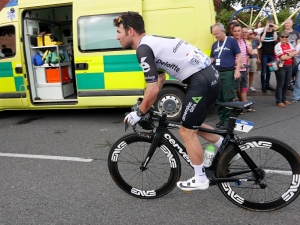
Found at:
[213, 138]
[202, 91]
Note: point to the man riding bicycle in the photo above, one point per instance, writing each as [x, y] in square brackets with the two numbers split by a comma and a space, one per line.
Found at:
[159, 55]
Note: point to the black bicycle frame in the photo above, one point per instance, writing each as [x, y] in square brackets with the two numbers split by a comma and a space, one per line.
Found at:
[162, 132]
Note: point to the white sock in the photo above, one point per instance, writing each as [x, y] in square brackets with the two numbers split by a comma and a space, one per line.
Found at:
[200, 173]
[219, 142]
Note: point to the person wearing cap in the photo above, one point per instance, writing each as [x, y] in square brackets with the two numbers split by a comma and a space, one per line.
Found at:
[285, 52]
[253, 59]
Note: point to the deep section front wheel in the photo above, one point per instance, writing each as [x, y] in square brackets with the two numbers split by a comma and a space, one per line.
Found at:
[278, 166]
[125, 165]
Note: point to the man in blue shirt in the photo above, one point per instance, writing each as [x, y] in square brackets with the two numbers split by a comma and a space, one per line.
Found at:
[223, 55]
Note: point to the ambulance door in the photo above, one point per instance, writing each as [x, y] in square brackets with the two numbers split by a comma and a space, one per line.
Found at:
[103, 69]
[12, 83]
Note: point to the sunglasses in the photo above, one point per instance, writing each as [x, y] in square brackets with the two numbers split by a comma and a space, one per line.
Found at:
[284, 36]
[120, 20]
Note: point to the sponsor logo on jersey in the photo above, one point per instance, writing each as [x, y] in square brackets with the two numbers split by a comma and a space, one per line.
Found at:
[150, 78]
[145, 66]
[213, 83]
[177, 46]
[197, 99]
[169, 65]
[189, 108]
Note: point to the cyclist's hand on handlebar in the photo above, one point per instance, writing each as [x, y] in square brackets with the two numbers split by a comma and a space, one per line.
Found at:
[132, 118]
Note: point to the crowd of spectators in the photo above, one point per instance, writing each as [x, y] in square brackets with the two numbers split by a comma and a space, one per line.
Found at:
[237, 53]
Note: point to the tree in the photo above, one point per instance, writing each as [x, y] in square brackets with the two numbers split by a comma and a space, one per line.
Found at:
[224, 17]
[282, 14]
[279, 4]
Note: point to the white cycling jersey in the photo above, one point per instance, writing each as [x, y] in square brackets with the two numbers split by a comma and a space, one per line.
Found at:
[174, 56]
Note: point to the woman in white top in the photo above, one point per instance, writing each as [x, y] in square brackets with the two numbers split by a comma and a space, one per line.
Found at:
[258, 30]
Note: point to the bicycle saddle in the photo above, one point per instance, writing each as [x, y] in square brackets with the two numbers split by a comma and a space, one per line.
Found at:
[236, 105]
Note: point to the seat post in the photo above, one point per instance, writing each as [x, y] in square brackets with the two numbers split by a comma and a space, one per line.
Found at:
[233, 115]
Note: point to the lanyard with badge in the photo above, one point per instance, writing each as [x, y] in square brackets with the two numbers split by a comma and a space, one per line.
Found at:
[218, 60]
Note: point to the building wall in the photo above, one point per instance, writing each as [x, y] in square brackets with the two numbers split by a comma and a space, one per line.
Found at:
[3, 3]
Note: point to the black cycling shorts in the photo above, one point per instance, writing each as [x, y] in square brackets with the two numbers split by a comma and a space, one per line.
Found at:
[202, 91]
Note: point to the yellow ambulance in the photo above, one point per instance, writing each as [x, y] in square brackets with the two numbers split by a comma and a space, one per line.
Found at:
[91, 69]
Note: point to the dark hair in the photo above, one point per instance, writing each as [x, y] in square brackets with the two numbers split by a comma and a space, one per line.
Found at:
[131, 19]
[233, 24]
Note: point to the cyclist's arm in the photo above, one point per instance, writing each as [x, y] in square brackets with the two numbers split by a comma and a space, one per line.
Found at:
[161, 80]
[154, 80]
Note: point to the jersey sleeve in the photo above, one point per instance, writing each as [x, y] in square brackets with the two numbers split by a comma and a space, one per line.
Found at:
[278, 50]
[145, 58]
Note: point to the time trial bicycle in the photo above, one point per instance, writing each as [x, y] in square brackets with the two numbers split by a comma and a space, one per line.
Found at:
[267, 176]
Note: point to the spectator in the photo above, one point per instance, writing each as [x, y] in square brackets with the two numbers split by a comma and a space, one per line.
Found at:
[223, 54]
[242, 82]
[285, 52]
[293, 34]
[244, 33]
[253, 59]
[258, 30]
[244, 36]
[293, 39]
[268, 38]
[230, 29]
[296, 92]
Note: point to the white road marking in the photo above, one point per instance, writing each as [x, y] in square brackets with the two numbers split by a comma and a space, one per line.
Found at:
[283, 172]
[75, 159]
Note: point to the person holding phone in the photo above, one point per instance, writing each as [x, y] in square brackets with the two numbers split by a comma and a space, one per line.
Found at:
[268, 39]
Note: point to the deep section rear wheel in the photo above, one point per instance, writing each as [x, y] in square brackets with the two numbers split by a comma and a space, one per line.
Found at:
[125, 161]
[278, 165]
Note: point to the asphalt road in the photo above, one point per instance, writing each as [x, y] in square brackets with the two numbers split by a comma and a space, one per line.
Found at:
[44, 190]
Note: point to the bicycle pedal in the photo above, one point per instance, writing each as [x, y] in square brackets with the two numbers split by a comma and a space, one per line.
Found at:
[187, 192]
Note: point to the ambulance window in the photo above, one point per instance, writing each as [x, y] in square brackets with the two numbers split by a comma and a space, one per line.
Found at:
[7, 42]
[97, 33]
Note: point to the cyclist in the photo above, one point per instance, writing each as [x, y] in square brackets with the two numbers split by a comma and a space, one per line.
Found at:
[186, 63]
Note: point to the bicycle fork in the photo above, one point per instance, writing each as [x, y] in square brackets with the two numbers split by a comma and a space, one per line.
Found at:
[151, 151]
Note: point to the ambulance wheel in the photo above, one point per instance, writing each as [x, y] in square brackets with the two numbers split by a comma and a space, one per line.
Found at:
[169, 101]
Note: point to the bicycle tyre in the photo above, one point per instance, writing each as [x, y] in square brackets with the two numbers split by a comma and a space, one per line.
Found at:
[163, 170]
[280, 165]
